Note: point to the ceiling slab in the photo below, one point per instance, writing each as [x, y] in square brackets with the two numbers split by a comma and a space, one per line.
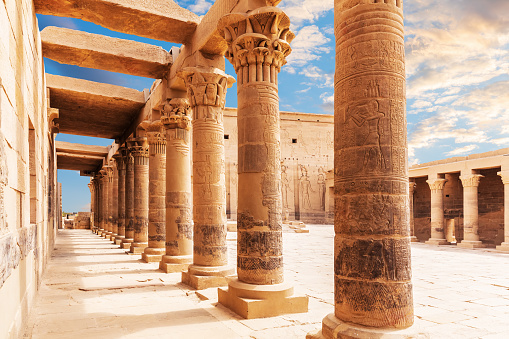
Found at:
[91, 108]
[78, 157]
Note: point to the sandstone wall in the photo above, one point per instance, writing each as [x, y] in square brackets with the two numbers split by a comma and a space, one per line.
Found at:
[491, 208]
[307, 145]
[27, 167]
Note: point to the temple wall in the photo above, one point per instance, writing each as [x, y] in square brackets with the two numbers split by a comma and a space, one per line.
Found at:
[491, 208]
[27, 166]
[306, 155]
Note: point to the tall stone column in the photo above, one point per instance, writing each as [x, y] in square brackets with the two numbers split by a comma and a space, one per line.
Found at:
[372, 272]
[114, 201]
[258, 44]
[411, 189]
[140, 154]
[157, 192]
[91, 187]
[96, 203]
[505, 180]
[109, 202]
[437, 212]
[470, 212]
[179, 227]
[206, 92]
[129, 196]
[120, 159]
[104, 202]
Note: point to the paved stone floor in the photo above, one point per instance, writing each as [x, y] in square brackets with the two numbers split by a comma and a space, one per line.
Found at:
[92, 289]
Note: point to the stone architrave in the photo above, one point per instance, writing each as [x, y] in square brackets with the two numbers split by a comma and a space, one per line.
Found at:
[129, 195]
[470, 212]
[120, 159]
[372, 271]
[114, 201]
[179, 226]
[141, 201]
[411, 189]
[258, 44]
[505, 180]
[157, 192]
[437, 212]
[206, 88]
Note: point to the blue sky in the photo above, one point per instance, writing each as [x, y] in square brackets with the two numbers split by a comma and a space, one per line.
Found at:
[457, 65]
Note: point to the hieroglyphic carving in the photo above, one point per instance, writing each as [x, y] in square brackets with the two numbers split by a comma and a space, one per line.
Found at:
[321, 187]
[140, 152]
[285, 188]
[129, 192]
[372, 264]
[305, 187]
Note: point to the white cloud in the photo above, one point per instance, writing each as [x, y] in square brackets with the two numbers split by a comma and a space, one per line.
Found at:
[200, 7]
[308, 45]
[462, 150]
[503, 142]
[301, 11]
[303, 90]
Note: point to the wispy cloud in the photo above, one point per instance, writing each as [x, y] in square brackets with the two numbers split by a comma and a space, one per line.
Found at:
[309, 44]
[462, 150]
[301, 11]
[200, 7]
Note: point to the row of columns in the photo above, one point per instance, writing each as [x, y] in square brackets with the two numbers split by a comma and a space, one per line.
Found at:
[470, 183]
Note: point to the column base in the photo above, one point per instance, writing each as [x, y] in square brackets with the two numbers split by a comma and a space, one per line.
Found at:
[99, 232]
[118, 239]
[113, 237]
[106, 235]
[333, 328]
[202, 277]
[151, 254]
[137, 247]
[413, 238]
[504, 247]
[173, 264]
[436, 241]
[261, 301]
[470, 244]
[126, 243]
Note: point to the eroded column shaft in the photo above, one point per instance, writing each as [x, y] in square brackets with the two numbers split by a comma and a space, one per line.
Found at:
[129, 197]
[141, 191]
[104, 202]
[470, 207]
[372, 245]
[114, 201]
[437, 208]
[121, 193]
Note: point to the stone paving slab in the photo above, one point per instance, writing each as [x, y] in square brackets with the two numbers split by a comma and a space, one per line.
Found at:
[92, 289]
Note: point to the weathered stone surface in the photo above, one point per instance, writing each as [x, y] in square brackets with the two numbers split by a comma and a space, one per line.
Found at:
[129, 197]
[141, 200]
[84, 49]
[3, 183]
[78, 157]
[159, 20]
[93, 109]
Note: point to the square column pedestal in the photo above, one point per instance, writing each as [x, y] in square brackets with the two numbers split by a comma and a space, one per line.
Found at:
[470, 244]
[202, 277]
[260, 301]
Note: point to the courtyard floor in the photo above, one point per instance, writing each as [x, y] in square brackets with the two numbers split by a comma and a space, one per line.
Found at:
[93, 289]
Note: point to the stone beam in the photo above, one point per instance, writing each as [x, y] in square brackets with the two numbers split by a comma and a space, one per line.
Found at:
[93, 109]
[159, 20]
[78, 157]
[84, 49]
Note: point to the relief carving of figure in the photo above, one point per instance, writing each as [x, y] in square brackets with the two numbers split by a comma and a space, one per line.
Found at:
[321, 187]
[285, 184]
[305, 187]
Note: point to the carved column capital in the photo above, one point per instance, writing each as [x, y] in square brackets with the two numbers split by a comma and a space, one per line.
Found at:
[258, 43]
[155, 133]
[411, 187]
[177, 114]
[471, 180]
[140, 148]
[505, 177]
[436, 184]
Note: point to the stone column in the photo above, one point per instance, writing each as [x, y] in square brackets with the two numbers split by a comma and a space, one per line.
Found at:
[140, 154]
[129, 196]
[179, 227]
[120, 158]
[437, 212]
[470, 212]
[109, 202]
[114, 201]
[91, 187]
[372, 271]
[258, 44]
[411, 189]
[206, 92]
[505, 180]
[96, 203]
[104, 202]
[157, 193]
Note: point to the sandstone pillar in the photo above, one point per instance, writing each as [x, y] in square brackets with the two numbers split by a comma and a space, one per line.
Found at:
[505, 180]
[157, 193]
[179, 228]
[470, 212]
[120, 158]
[206, 92]
[96, 203]
[372, 272]
[258, 44]
[109, 202]
[91, 186]
[140, 154]
[114, 201]
[104, 202]
[437, 212]
[129, 196]
[411, 188]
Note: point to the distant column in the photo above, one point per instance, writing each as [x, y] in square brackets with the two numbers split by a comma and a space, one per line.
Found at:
[505, 180]
[179, 227]
[140, 154]
[120, 158]
[411, 187]
[372, 270]
[157, 192]
[104, 202]
[129, 195]
[258, 44]
[91, 187]
[470, 212]
[437, 212]
[206, 90]
[109, 201]
[114, 201]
